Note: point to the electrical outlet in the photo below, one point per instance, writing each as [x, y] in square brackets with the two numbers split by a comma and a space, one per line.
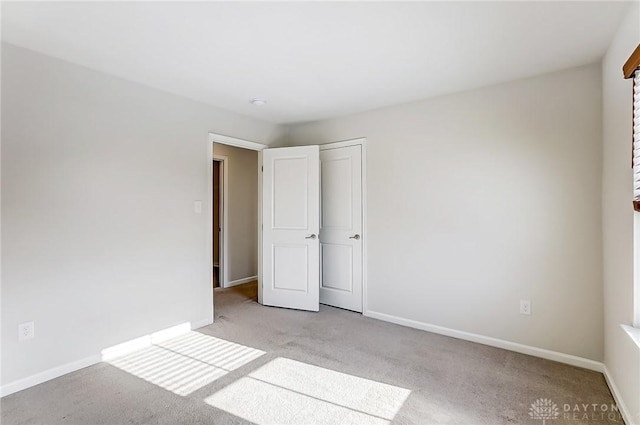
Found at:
[26, 331]
[525, 307]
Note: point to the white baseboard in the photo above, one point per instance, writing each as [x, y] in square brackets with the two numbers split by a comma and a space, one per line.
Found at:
[106, 354]
[493, 342]
[145, 341]
[201, 323]
[47, 375]
[241, 281]
[622, 407]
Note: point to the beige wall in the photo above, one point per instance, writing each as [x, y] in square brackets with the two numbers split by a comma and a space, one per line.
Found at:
[622, 356]
[476, 200]
[100, 242]
[480, 199]
[243, 210]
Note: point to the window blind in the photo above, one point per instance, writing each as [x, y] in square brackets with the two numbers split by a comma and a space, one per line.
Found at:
[636, 141]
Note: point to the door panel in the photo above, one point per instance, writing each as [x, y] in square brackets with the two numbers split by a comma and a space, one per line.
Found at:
[290, 193]
[291, 221]
[337, 262]
[290, 267]
[337, 193]
[341, 249]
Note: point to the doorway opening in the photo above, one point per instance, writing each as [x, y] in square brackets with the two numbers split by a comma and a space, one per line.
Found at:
[218, 217]
[234, 202]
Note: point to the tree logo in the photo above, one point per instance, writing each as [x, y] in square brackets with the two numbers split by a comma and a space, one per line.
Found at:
[544, 409]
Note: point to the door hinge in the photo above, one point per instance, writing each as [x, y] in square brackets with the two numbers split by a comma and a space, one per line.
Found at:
[262, 169]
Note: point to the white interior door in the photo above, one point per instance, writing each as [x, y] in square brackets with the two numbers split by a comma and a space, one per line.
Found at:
[291, 223]
[341, 227]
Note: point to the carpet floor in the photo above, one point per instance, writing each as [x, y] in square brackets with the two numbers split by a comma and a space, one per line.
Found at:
[261, 365]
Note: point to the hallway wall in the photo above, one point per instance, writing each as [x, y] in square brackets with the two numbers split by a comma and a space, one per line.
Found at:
[242, 233]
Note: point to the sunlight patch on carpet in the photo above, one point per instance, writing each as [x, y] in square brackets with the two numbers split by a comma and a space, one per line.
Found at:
[186, 363]
[285, 391]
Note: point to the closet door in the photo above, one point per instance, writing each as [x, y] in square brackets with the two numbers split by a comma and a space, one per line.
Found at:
[341, 227]
[291, 223]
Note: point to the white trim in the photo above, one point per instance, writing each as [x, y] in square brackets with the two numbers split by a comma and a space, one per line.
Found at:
[365, 230]
[49, 374]
[105, 355]
[144, 341]
[343, 144]
[241, 281]
[493, 342]
[209, 237]
[201, 323]
[636, 268]
[362, 142]
[633, 332]
[622, 407]
[260, 227]
[224, 160]
[232, 141]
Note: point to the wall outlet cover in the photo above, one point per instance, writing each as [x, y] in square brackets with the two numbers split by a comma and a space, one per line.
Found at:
[26, 331]
[525, 307]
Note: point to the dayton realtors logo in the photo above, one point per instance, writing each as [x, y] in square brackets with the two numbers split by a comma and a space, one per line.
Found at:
[591, 412]
[544, 409]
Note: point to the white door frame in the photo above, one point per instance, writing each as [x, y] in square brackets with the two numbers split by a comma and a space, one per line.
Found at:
[362, 142]
[239, 143]
[224, 211]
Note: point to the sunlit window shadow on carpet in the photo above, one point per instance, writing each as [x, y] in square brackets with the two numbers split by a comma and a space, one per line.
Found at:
[285, 391]
[186, 363]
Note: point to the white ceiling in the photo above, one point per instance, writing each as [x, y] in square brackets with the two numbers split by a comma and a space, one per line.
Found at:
[320, 59]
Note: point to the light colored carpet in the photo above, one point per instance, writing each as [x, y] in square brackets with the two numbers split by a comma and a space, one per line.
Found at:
[265, 365]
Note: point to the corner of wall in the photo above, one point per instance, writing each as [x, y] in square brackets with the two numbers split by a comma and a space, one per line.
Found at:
[622, 358]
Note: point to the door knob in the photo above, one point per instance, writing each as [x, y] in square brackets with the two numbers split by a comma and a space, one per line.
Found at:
[311, 236]
[356, 237]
